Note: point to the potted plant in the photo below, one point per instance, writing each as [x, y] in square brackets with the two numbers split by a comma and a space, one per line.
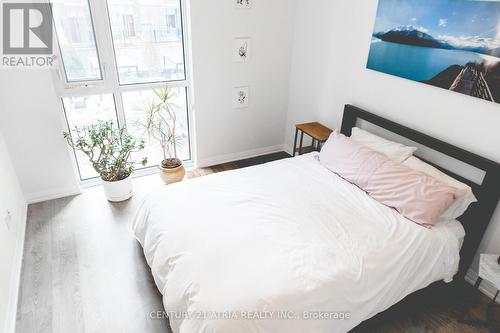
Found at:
[109, 150]
[161, 125]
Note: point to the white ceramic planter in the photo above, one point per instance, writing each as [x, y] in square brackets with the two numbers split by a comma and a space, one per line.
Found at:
[118, 191]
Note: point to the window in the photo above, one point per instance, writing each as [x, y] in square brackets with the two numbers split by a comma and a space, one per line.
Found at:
[77, 44]
[134, 101]
[114, 53]
[155, 52]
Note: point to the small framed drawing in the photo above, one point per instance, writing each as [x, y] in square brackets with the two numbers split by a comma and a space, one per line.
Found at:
[243, 4]
[241, 97]
[242, 48]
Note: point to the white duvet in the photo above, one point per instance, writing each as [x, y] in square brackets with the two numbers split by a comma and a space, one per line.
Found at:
[284, 247]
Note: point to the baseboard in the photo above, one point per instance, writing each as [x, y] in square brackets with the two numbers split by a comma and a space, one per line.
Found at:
[15, 279]
[42, 196]
[216, 160]
[486, 287]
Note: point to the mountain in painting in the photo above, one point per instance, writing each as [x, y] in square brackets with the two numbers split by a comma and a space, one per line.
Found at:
[411, 36]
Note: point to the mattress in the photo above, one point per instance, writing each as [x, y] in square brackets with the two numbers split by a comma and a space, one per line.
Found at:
[284, 247]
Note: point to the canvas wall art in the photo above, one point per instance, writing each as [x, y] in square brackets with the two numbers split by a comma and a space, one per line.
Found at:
[451, 44]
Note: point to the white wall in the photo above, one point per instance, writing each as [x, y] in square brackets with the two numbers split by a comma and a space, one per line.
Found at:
[331, 44]
[31, 118]
[31, 112]
[222, 132]
[11, 238]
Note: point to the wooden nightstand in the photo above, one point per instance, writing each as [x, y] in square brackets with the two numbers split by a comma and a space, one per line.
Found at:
[318, 132]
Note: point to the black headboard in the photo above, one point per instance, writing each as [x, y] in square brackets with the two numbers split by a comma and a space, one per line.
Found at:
[478, 216]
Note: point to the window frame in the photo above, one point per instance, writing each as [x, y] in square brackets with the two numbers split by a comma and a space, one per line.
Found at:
[110, 82]
[61, 69]
[181, 2]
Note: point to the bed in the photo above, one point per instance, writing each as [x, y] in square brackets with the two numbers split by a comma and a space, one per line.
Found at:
[290, 246]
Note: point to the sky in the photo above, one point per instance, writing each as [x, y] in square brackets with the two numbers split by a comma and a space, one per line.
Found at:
[460, 22]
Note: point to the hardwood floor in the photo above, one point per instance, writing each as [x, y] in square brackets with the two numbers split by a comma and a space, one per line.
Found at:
[84, 272]
[438, 312]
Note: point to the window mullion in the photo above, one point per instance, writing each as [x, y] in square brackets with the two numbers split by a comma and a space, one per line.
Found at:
[103, 32]
[99, 16]
[120, 109]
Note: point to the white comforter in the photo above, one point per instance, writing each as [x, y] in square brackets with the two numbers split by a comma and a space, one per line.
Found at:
[266, 248]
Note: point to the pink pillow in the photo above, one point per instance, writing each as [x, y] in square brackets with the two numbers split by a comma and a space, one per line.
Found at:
[413, 194]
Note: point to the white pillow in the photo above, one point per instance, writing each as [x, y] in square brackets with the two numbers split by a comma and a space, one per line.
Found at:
[461, 204]
[395, 151]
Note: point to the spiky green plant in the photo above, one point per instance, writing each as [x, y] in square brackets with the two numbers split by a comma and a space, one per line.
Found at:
[160, 124]
[108, 149]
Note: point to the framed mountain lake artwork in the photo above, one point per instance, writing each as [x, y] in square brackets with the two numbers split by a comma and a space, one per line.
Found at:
[451, 44]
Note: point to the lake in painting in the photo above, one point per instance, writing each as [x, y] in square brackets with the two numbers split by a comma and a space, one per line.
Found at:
[418, 63]
[451, 44]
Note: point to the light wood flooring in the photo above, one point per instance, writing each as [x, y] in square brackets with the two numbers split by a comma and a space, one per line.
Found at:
[84, 272]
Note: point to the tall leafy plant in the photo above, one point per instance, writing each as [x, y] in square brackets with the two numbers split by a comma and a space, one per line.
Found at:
[108, 148]
[160, 124]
